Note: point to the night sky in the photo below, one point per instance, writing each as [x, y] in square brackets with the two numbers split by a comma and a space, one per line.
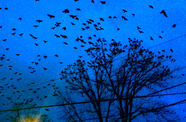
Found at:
[38, 38]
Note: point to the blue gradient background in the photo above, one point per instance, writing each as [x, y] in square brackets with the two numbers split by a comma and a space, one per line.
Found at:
[150, 20]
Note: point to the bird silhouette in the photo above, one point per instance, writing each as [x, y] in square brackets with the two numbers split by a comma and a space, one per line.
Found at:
[66, 11]
[124, 10]
[50, 16]
[151, 6]
[33, 36]
[20, 18]
[164, 13]
[124, 18]
[39, 21]
[174, 25]
[151, 38]
[103, 2]
[64, 36]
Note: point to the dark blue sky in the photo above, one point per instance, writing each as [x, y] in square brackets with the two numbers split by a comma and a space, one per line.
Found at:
[151, 22]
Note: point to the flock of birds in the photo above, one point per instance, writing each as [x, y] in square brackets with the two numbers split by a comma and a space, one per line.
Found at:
[35, 89]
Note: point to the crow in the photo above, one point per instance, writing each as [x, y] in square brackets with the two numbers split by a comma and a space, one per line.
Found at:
[124, 10]
[151, 38]
[64, 36]
[33, 36]
[50, 16]
[101, 19]
[164, 13]
[174, 25]
[124, 18]
[151, 6]
[56, 35]
[103, 2]
[39, 21]
[66, 11]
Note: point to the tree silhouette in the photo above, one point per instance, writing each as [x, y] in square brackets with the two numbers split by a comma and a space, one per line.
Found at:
[113, 78]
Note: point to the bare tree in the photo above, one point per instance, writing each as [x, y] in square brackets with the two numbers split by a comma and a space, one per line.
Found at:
[87, 87]
[118, 82]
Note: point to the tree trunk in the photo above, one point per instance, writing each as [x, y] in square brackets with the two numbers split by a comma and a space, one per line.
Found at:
[122, 113]
[130, 111]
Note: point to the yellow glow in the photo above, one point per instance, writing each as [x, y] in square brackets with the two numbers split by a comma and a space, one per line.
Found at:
[31, 119]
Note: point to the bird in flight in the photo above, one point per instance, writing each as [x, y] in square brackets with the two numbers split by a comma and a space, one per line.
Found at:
[164, 13]
[50, 16]
[66, 11]
[151, 6]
